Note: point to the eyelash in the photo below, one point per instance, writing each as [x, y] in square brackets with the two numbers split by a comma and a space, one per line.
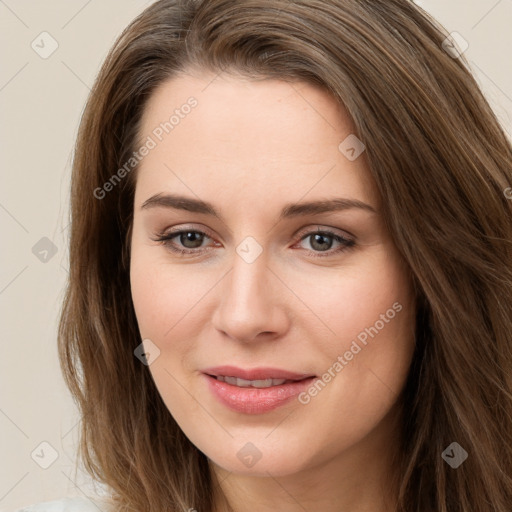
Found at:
[346, 243]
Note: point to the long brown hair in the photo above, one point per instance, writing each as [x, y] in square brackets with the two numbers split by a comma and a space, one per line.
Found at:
[443, 166]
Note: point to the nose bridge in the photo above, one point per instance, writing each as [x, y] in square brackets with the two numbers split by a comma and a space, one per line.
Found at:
[248, 283]
[248, 303]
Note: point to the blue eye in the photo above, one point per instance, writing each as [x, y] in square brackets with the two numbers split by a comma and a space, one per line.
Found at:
[191, 240]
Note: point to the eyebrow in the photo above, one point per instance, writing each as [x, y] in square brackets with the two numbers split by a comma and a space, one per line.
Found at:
[290, 210]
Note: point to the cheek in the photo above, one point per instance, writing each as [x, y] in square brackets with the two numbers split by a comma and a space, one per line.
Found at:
[162, 294]
[370, 317]
[348, 300]
[150, 295]
[163, 308]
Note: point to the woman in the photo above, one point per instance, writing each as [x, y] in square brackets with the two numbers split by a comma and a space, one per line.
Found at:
[224, 358]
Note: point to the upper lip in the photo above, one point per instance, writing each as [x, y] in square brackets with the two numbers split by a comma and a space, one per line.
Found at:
[260, 373]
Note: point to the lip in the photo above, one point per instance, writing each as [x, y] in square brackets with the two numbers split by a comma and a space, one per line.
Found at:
[260, 373]
[250, 400]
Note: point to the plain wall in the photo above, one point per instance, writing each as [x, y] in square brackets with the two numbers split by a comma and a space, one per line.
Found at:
[41, 101]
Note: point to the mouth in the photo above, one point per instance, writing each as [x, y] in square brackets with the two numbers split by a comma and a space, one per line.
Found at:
[257, 383]
[255, 391]
[258, 375]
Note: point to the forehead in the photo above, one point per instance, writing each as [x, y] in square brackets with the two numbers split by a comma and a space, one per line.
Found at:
[269, 132]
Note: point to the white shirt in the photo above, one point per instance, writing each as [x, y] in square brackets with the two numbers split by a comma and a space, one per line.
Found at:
[67, 505]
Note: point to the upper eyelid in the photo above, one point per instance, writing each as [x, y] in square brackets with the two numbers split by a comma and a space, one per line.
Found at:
[299, 236]
[321, 228]
[303, 231]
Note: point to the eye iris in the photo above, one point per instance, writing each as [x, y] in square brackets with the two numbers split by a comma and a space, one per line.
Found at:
[191, 236]
[322, 247]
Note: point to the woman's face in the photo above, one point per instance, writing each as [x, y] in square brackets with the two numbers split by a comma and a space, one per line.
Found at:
[267, 285]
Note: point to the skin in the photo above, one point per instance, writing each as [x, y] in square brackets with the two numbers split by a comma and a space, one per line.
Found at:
[249, 148]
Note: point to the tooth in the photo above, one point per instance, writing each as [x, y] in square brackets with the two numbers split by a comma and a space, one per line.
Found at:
[243, 383]
[262, 383]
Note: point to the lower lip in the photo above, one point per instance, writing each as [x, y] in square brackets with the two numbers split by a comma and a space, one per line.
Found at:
[256, 400]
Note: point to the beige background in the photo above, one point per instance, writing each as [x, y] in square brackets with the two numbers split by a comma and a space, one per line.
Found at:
[41, 101]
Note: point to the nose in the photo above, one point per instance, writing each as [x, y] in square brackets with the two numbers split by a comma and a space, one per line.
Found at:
[252, 303]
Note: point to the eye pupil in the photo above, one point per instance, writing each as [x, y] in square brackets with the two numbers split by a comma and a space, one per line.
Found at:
[322, 246]
[191, 236]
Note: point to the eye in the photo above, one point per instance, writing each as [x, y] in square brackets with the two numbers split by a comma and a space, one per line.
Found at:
[320, 244]
[190, 241]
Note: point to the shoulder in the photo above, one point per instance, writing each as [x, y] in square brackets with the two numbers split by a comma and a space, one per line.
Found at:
[67, 505]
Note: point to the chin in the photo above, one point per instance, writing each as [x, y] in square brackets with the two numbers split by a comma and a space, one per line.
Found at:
[276, 463]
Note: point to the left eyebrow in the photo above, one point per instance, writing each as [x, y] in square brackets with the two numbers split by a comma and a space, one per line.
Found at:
[326, 206]
[290, 210]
